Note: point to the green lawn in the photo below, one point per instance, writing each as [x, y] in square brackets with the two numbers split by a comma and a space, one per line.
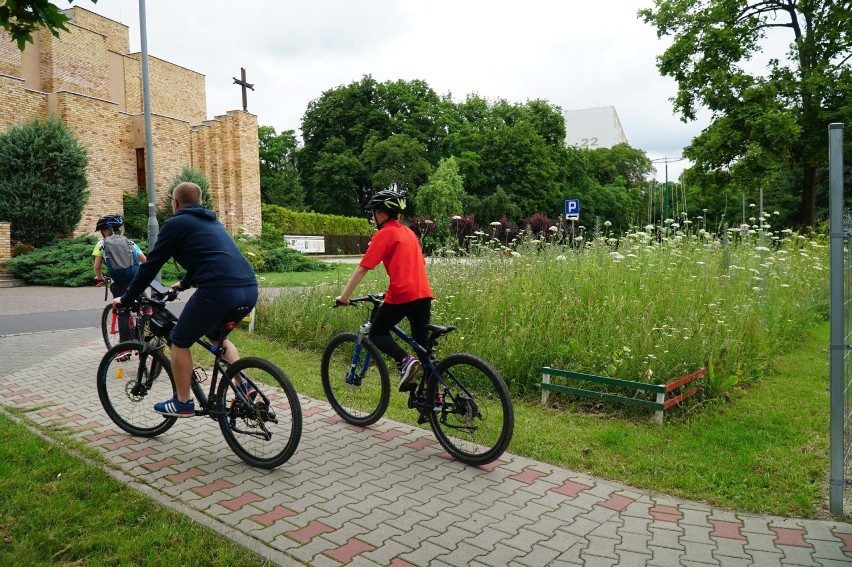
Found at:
[58, 510]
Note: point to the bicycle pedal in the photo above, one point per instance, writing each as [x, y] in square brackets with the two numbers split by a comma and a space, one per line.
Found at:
[423, 418]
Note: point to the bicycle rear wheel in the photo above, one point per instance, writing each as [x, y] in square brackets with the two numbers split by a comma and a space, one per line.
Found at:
[265, 430]
[130, 384]
[357, 385]
[473, 418]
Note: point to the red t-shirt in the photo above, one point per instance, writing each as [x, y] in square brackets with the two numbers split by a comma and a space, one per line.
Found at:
[398, 248]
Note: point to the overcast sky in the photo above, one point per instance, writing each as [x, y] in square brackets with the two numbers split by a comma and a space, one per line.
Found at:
[574, 54]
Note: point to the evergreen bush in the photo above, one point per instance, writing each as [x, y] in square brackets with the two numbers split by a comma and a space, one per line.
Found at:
[136, 215]
[164, 212]
[289, 260]
[66, 263]
[43, 186]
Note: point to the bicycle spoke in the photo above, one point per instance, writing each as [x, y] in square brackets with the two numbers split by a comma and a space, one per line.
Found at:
[130, 381]
[264, 430]
[355, 380]
[472, 417]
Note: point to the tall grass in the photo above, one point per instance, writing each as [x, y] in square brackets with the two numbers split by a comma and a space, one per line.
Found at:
[650, 306]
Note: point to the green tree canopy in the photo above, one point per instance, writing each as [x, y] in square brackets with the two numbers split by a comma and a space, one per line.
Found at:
[347, 155]
[440, 197]
[22, 17]
[399, 161]
[279, 177]
[43, 186]
[765, 122]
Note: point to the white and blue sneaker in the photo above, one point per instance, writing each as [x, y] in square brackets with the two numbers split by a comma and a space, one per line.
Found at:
[174, 408]
[408, 369]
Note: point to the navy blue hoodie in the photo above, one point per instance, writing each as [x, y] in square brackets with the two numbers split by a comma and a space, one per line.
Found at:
[202, 246]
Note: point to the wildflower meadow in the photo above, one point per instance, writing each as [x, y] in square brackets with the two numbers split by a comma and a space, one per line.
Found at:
[651, 305]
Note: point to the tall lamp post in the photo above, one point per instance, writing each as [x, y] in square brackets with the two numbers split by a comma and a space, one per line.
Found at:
[153, 226]
[667, 196]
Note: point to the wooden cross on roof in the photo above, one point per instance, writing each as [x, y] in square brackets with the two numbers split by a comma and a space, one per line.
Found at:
[242, 82]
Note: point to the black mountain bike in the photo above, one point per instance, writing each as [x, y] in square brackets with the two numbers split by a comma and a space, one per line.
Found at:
[464, 399]
[263, 430]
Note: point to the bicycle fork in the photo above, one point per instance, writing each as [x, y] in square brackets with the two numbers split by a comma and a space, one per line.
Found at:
[353, 377]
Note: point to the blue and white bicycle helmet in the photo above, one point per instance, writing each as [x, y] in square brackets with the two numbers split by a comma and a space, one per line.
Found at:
[112, 222]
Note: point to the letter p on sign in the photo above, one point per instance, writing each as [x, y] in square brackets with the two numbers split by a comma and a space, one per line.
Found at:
[572, 209]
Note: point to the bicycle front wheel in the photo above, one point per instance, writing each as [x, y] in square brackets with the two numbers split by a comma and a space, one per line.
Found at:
[263, 428]
[130, 381]
[355, 379]
[472, 417]
[109, 327]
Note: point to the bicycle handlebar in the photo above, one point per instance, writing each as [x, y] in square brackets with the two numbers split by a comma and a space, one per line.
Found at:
[374, 298]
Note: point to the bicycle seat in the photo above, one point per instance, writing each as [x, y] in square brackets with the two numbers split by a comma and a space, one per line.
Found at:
[233, 318]
[436, 331]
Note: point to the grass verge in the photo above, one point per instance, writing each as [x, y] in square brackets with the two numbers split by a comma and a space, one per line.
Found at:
[57, 509]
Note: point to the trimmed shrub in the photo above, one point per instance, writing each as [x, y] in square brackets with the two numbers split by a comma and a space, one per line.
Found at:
[292, 222]
[43, 186]
[187, 174]
[67, 263]
[289, 260]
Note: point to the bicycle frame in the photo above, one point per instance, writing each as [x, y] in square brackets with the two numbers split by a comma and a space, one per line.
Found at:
[206, 400]
[417, 396]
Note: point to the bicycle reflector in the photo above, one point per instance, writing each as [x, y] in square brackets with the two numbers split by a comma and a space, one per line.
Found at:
[230, 325]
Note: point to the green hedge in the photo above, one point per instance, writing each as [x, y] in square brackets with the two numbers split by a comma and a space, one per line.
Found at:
[292, 222]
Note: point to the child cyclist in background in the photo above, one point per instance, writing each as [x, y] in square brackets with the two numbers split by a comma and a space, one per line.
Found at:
[110, 225]
[408, 295]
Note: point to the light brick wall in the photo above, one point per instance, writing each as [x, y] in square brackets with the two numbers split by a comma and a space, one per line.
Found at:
[19, 105]
[76, 61]
[106, 135]
[226, 151]
[171, 139]
[5, 241]
[10, 57]
[175, 91]
[116, 34]
[75, 84]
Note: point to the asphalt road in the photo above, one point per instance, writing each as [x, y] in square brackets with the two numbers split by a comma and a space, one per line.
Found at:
[37, 309]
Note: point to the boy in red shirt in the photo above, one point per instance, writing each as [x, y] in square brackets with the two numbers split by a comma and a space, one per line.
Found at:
[408, 294]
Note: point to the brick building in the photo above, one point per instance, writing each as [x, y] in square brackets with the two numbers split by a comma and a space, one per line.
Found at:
[89, 79]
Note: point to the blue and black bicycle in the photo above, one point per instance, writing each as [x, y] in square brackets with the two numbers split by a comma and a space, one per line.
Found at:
[462, 397]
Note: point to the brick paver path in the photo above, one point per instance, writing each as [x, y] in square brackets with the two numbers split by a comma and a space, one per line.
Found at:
[385, 495]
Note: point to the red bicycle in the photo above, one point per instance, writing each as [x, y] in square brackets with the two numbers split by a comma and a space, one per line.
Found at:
[109, 319]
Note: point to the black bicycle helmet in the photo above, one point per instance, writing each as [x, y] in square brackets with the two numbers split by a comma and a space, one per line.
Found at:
[387, 200]
[112, 222]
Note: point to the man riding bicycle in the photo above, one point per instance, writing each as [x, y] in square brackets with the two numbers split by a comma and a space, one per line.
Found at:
[197, 241]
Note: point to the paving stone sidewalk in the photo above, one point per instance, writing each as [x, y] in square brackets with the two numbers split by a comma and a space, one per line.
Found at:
[389, 495]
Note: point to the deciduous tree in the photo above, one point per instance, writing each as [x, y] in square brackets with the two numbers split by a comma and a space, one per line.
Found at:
[22, 17]
[279, 177]
[768, 120]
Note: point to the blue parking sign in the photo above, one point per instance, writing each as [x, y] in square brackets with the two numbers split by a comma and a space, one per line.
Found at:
[572, 208]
